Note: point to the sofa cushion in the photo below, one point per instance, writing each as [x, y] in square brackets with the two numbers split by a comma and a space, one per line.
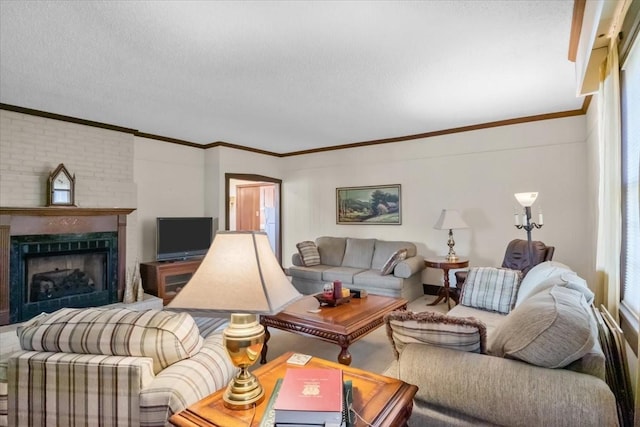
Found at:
[437, 329]
[491, 319]
[542, 276]
[373, 278]
[344, 274]
[164, 336]
[358, 253]
[393, 260]
[309, 273]
[384, 249]
[331, 250]
[308, 253]
[550, 329]
[490, 288]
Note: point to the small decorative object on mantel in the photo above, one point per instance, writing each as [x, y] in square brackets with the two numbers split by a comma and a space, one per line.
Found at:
[61, 187]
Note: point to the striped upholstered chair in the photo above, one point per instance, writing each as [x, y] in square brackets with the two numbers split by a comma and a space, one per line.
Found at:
[113, 367]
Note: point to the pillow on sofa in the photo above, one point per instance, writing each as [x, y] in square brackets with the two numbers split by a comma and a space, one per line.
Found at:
[308, 253]
[457, 333]
[548, 274]
[550, 329]
[540, 277]
[393, 260]
[164, 336]
[490, 288]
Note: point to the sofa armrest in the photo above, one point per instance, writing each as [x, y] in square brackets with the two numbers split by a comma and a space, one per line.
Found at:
[297, 260]
[76, 389]
[186, 382]
[504, 391]
[408, 267]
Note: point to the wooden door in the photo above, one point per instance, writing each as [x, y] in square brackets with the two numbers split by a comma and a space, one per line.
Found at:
[248, 208]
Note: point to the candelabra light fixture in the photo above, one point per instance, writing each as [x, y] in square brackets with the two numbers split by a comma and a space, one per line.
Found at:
[527, 200]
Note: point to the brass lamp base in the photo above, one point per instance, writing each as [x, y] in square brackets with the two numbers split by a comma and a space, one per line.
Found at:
[243, 339]
[243, 391]
[451, 256]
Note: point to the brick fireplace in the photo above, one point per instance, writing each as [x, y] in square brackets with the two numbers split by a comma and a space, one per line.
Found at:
[58, 257]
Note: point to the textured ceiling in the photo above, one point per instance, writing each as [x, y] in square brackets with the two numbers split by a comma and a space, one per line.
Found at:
[288, 76]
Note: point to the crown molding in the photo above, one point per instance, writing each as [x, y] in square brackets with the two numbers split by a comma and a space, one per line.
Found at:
[519, 120]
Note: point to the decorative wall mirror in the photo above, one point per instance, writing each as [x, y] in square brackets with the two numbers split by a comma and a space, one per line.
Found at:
[61, 187]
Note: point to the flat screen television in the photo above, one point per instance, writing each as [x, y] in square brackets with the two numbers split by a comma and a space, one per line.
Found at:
[183, 238]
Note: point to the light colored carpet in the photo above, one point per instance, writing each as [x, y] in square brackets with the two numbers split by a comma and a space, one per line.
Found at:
[372, 352]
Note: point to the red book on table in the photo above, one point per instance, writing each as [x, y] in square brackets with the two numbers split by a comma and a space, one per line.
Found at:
[310, 395]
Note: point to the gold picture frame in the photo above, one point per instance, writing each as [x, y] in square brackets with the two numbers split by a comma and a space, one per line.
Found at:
[369, 205]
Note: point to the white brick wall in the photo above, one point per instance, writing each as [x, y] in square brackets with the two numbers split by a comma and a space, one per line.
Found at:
[102, 161]
[31, 147]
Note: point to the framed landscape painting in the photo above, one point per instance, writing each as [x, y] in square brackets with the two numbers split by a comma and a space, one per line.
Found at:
[375, 204]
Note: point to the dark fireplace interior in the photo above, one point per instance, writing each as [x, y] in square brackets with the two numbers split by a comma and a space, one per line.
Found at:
[49, 272]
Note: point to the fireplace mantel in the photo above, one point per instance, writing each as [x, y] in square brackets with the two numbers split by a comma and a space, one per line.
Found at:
[16, 221]
[64, 211]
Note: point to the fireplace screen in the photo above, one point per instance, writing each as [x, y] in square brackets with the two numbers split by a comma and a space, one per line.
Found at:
[49, 272]
[64, 275]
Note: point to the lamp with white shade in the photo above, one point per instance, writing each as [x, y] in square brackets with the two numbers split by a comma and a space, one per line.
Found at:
[450, 219]
[526, 200]
[239, 275]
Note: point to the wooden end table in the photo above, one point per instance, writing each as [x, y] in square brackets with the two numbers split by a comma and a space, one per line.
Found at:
[341, 325]
[380, 400]
[446, 265]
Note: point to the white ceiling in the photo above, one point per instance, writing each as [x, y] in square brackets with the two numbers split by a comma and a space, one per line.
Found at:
[286, 76]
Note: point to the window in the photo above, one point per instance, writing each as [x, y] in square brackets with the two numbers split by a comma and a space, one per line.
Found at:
[630, 116]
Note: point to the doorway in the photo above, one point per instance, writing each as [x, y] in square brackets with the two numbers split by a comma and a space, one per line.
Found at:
[252, 202]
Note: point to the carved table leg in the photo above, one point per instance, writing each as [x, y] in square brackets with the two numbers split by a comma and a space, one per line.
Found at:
[265, 347]
[344, 357]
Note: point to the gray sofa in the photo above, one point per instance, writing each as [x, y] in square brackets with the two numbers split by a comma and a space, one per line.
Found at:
[464, 388]
[357, 264]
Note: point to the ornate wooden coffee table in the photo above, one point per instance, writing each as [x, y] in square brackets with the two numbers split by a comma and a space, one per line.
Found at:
[341, 325]
[380, 400]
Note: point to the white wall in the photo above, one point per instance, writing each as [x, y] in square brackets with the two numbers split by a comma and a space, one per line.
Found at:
[476, 172]
[171, 182]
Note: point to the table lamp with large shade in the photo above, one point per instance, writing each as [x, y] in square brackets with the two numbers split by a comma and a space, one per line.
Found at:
[450, 219]
[239, 275]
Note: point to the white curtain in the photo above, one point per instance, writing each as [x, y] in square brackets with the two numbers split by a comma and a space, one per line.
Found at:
[609, 189]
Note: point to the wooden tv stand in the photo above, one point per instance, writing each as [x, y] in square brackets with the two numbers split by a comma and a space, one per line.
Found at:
[165, 279]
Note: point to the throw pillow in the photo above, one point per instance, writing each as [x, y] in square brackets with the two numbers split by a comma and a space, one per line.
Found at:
[393, 260]
[308, 253]
[552, 329]
[457, 333]
[492, 289]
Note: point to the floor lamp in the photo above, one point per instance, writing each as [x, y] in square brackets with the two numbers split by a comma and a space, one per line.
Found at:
[526, 200]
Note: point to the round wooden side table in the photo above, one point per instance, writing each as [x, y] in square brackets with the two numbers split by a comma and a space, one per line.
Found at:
[446, 265]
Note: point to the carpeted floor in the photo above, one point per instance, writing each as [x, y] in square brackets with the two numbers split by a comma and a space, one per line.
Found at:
[372, 352]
